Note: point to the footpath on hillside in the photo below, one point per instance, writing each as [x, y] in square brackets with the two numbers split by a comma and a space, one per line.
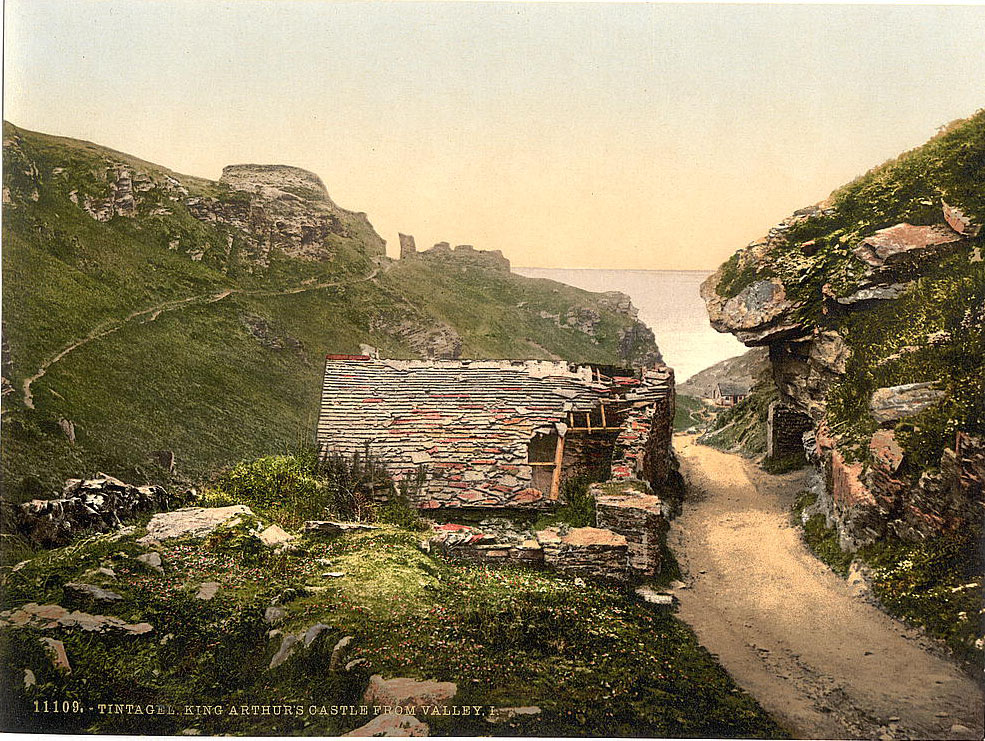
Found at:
[803, 641]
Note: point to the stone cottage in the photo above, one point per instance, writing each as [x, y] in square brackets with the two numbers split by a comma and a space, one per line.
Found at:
[497, 433]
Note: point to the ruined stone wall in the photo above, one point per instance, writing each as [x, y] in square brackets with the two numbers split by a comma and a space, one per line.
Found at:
[638, 517]
[644, 448]
[785, 428]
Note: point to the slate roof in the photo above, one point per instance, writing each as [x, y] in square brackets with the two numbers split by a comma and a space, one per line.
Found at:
[468, 422]
[732, 389]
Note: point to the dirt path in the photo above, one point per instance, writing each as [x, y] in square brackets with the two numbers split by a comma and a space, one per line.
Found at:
[812, 651]
[151, 313]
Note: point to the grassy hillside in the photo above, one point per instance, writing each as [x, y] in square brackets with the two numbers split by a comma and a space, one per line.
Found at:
[230, 366]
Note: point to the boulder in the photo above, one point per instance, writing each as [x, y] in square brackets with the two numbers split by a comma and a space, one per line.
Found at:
[389, 724]
[891, 245]
[899, 402]
[196, 522]
[874, 293]
[339, 652]
[274, 536]
[57, 654]
[90, 593]
[152, 560]
[288, 645]
[408, 692]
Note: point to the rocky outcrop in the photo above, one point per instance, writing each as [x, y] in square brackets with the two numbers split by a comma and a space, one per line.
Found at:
[868, 490]
[100, 504]
[54, 617]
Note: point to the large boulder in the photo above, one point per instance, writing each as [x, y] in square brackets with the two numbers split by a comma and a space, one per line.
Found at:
[896, 243]
[761, 313]
[196, 522]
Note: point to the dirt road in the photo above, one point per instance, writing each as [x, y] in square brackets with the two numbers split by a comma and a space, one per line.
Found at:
[794, 634]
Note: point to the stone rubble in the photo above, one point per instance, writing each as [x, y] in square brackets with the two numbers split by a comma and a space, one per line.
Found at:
[99, 504]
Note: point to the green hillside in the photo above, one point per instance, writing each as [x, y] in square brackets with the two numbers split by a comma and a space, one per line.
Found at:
[196, 313]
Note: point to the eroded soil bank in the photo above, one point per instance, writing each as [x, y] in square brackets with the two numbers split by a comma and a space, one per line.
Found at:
[802, 640]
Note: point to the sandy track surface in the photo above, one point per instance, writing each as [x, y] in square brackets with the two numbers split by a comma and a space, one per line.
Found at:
[802, 640]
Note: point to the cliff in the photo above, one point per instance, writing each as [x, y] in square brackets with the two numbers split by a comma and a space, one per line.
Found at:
[872, 306]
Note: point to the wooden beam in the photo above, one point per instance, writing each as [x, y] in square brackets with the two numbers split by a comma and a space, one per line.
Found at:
[558, 458]
[602, 408]
[588, 421]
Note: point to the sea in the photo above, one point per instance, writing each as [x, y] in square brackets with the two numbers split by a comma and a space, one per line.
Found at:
[669, 304]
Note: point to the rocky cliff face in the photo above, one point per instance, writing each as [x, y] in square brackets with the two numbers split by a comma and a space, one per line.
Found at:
[871, 305]
[255, 211]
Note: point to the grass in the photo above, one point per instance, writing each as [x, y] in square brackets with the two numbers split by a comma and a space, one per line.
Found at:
[689, 412]
[506, 637]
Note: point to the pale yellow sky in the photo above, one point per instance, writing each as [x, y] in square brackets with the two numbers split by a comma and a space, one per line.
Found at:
[587, 135]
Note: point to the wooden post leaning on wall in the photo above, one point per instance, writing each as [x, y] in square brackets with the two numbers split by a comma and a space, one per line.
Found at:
[558, 458]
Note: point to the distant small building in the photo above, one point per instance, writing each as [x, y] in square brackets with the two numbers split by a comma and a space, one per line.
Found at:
[728, 394]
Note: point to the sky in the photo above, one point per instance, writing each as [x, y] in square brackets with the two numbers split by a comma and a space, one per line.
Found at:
[566, 135]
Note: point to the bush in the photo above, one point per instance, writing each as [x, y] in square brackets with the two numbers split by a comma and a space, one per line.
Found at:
[290, 489]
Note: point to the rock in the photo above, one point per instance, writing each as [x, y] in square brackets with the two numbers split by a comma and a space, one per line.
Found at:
[959, 222]
[288, 645]
[504, 715]
[873, 293]
[207, 591]
[152, 560]
[408, 692]
[333, 574]
[99, 504]
[896, 242]
[339, 652]
[195, 522]
[331, 528]
[961, 730]
[46, 617]
[648, 594]
[90, 593]
[56, 651]
[312, 634]
[886, 452]
[356, 664]
[899, 402]
[29, 679]
[274, 615]
[759, 314]
[676, 584]
[274, 536]
[388, 724]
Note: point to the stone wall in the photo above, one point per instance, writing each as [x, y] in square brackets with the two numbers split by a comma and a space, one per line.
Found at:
[589, 552]
[640, 518]
[407, 246]
[98, 504]
[785, 428]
